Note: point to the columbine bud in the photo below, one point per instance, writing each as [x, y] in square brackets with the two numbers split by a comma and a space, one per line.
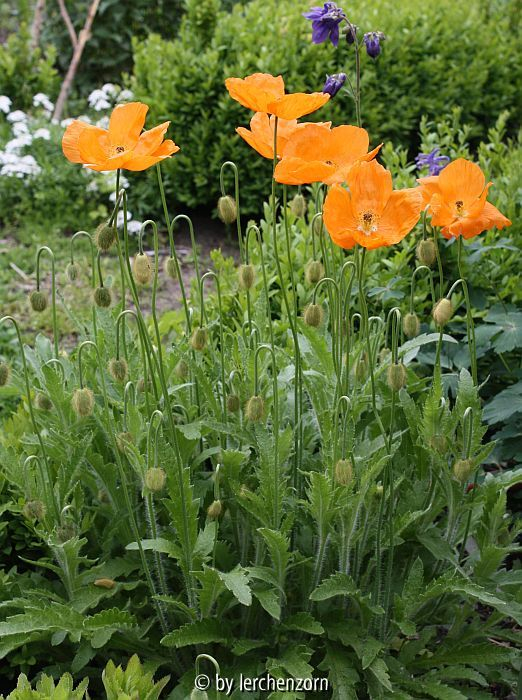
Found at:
[317, 225]
[344, 472]
[83, 402]
[313, 315]
[314, 272]
[426, 252]
[66, 532]
[105, 583]
[442, 312]
[155, 479]
[350, 31]
[334, 83]
[170, 268]
[38, 300]
[255, 409]
[227, 209]
[247, 276]
[298, 205]
[43, 402]
[142, 269]
[233, 403]
[181, 370]
[118, 369]
[199, 338]
[214, 510]
[396, 376]
[123, 439]
[4, 373]
[34, 510]
[462, 469]
[72, 271]
[372, 41]
[104, 237]
[439, 443]
[102, 297]
[411, 325]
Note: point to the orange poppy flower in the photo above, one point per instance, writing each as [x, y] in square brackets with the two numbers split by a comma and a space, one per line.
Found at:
[457, 200]
[262, 92]
[317, 153]
[123, 145]
[370, 213]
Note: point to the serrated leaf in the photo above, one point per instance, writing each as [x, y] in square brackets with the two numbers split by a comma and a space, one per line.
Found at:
[201, 632]
[337, 584]
[237, 583]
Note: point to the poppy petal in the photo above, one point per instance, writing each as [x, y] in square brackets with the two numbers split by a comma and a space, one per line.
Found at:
[70, 140]
[490, 217]
[371, 186]
[256, 90]
[339, 217]
[93, 146]
[297, 105]
[400, 215]
[167, 148]
[462, 180]
[297, 171]
[126, 123]
[150, 140]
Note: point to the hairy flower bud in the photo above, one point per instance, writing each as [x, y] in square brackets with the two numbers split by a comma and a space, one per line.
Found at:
[118, 369]
[43, 402]
[313, 315]
[66, 531]
[38, 300]
[181, 370]
[104, 237]
[214, 510]
[227, 209]
[247, 276]
[384, 353]
[169, 267]
[198, 694]
[233, 403]
[123, 439]
[105, 583]
[4, 373]
[83, 402]
[298, 205]
[255, 409]
[343, 472]
[426, 252]
[199, 338]
[34, 510]
[462, 470]
[142, 269]
[155, 479]
[396, 376]
[142, 386]
[318, 225]
[102, 297]
[439, 443]
[442, 312]
[411, 325]
[361, 367]
[72, 271]
[314, 272]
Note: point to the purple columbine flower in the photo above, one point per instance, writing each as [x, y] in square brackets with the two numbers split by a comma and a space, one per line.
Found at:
[372, 41]
[325, 22]
[432, 161]
[334, 83]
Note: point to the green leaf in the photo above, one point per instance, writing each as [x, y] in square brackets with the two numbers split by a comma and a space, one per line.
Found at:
[237, 582]
[269, 601]
[304, 622]
[201, 632]
[380, 671]
[337, 584]
[341, 672]
[504, 405]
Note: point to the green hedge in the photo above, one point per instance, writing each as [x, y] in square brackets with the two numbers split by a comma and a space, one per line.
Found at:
[438, 54]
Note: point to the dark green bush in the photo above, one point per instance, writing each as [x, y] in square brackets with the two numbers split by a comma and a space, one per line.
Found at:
[438, 54]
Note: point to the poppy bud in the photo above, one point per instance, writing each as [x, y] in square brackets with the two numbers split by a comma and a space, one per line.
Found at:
[103, 496]
[227, 209]
[384, 353]
[170, 268]
[314, 272]
[298, 205]
[4, 373]
[102, 297]
[123, 439]
[255, 409]
[38, 300]
[43, 402]
[118, 369]
[72, 271]
[379, 490]
[361, 367]
[442, 312]
[439, 443]
[105, 583]
[198, 694]
[318, 225]
[83, 402]
[34, 510]
[233, 403]
[155, 479]
[344, 472]
[462, 469]
[411, 325]
[247, 276]
[313, 315]
[141, 386]
[199, 339]
[181, 370]
[214, 510]
[66, 532]
[104, 237]
[396, 376]
[426, 252]
[142, 269]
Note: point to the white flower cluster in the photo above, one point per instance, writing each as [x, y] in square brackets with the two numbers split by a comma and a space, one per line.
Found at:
[13, 161]
[107, 96]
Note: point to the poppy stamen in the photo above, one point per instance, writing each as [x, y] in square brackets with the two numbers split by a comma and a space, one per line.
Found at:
[460, 206]
[120, 149]
[368, 223]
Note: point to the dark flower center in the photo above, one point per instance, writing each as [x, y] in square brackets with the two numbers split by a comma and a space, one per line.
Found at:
[460, 205]
[120, 149]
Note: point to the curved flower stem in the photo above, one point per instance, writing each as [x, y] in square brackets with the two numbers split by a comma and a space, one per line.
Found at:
[335, 303]
[233, 166]
[114, 221]
[213, 661]
[468, 433]
[13, 321]
[413, 284]
[147, 365]
[344, 313]
[129, 389]
[45, 249]
[469, 315]
[253, 227]
[337, 411]
[93, 271]
[212, 274]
